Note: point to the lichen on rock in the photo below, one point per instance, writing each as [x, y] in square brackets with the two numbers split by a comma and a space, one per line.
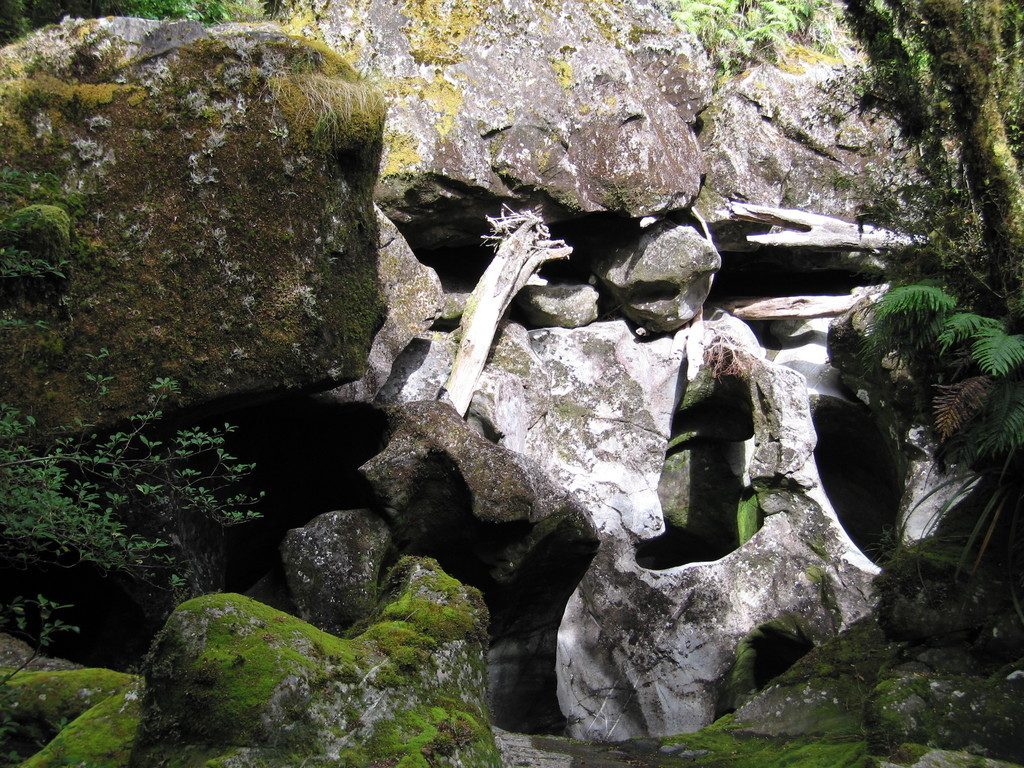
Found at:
[188, 260]
[579, 107]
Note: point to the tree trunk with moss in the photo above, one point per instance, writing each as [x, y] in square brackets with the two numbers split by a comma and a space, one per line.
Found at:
[962, 69]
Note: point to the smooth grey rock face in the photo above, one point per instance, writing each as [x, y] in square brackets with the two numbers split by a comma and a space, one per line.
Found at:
[805, 349]
[420, 371]
[603, 432]
[645, 650]
[577, 106]
[663, 279]
[560, 305]
[333, 567]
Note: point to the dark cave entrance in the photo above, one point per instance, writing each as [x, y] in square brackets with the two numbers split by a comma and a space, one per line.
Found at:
[857, 471]
[708, 511]
[764, 654]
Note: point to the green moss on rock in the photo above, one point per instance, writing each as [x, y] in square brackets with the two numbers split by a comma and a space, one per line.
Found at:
[102, 736]
[227, 235]
[720, 746]
[39, 702]
[229, 675]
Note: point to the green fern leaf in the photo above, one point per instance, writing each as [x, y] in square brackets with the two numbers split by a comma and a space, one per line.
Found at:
[918, 300]
[907, 319]
[963, 326]
[997, 352]
[1001, 429]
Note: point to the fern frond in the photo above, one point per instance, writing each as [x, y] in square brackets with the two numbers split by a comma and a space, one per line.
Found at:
[920, 300]
[1002, 427]
[963, 326]
[907, 319]
[997, 352]
[956, 405]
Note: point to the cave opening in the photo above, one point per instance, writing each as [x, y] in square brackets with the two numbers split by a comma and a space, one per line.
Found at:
[307, 451]
[768, 651]
[708, 509]
[857, 470]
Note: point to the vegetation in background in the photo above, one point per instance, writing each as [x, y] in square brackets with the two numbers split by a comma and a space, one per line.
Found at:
[952, 73]
[64, 505]
[18, 17]
[741, 33]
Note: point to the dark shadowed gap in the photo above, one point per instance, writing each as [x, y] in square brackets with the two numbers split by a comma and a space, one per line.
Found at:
[857, 471]
[307, 451]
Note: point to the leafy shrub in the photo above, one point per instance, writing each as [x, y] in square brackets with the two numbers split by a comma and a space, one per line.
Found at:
[20, 16]
[738, 33]
[979, 410]
[64, 505]
[206, 11]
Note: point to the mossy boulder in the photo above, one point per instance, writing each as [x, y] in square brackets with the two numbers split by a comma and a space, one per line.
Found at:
[233, 681]
[42, 231]
[980, 715]
[825, 692]
[103, 735]
[223, 233]
[39, 703]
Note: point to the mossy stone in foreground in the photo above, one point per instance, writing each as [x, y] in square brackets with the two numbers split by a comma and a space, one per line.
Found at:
[102, 736]
[38, 703]
[233, 682]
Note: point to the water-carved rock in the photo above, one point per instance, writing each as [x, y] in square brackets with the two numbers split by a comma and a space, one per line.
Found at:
[650, 636]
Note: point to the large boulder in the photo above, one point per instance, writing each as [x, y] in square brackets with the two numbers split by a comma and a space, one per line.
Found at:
[651, 635]
[661, 280]
[232, 679]
[494, 519]
[333, 566]
[578, 107]
[58, 707]
[187, 261]
[952, 711]
[795, 136]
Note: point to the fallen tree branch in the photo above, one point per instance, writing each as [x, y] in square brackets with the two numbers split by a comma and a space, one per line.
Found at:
[811, 230]
[790, 306]
[523, 245]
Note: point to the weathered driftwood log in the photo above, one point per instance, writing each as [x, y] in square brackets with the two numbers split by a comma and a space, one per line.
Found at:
[811, 230]
[790, 306]
[523, 245]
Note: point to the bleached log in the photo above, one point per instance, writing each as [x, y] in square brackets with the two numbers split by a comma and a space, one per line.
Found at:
[811, 230]
[524, 245]
[790, 306]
